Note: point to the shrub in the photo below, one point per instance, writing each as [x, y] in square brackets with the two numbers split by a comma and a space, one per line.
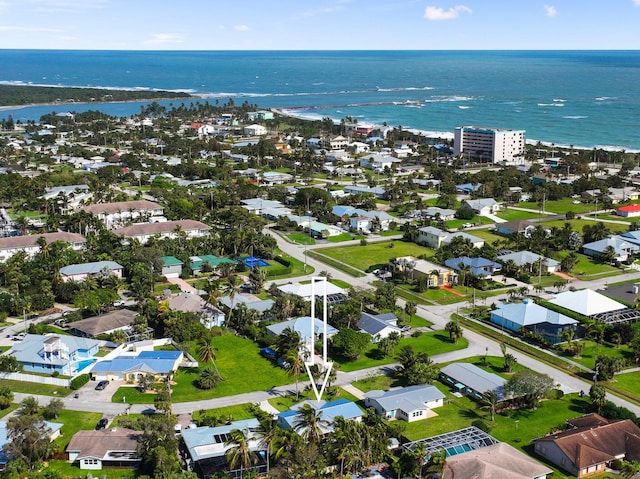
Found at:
[55, 374]
[555, 394]
[480, 424]
[416, 334]
[363, 242]
[79, 381]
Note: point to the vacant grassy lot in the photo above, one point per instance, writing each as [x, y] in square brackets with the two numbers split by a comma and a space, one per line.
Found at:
[560, 206]
[592, 350]
[586, 267]
[577, 225]
[511, 214]
[487, 235]
[74, 421]
[432, 343]
[35, 388]
[301, 238]
[477, 220]
[239, 363]
[363, 257]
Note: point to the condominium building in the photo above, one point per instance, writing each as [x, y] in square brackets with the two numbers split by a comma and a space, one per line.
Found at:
[489, 144]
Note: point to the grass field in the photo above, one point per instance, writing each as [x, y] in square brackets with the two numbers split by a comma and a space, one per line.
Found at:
[344, 237]
[363, 257]
[585, 267]
[74, 421]
[35, 388]
[511, 214]
[577, 225]
[432, 343]
[560, 206]
[478, 220]
[239, 363]
[592, 350]
[301, 238]
[487, 235]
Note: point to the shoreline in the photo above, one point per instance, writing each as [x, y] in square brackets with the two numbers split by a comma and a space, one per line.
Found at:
[292, 113]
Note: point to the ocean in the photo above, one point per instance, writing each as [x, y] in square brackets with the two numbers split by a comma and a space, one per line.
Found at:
[582, 98]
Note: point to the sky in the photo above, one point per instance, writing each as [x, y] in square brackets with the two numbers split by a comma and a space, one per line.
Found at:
[320, 24]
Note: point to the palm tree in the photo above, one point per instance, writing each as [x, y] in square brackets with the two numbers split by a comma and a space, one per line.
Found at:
[240, 453]
[207, 351]
[630, 469]
[490, 401]
[309, 424]
[293, 365]
[568, 334]
[454, 330]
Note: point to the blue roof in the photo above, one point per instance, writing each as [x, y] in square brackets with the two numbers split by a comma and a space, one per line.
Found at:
[90, 268]
[155, 362]
[477, 265]
[328, 412]
[302, 326]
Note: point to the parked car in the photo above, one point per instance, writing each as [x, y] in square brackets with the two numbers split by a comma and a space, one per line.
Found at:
[19, 336]
[101, 385]
[102, 423]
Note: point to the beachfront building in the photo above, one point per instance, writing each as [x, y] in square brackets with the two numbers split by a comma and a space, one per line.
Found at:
[489, 144]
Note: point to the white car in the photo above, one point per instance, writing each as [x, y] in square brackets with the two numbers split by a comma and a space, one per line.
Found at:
[19, 337]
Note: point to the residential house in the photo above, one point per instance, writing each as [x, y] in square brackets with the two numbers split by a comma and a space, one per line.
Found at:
[498, 461]
[378, 162]
[271, 178]
[623, 250]
[525, 259]
[260, 115]
[334, 142]
[210, 316]
[206, 262]
[322, 230]
[435, 213]
[123, 212]
[119, 319]
[255, 130]
[481, 267]
[171, 267]
[483, 206]
[523, 227]
[262, 306]
[378, 325]
[467, 188]
[409, 403]
[207, 448]
[328, 412]
[436, 274]
[335, 294]
[361, 220]
[258, 205]
[533, 317]
[132, 367]
[309, 329]
[29, 243]
[590, 448]
[471, 380]
[628, 211]
[105, 448]
[67, 198]
[143, 232]
[435, 237]
[54, 352]
[594, 305]
[376, 191]
[99, 269]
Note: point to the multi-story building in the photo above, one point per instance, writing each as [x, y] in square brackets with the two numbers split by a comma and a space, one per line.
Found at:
[489, 144]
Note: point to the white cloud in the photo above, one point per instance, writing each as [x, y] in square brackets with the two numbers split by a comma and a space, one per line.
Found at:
[551, 11]
[241, 28]
[67, 6]
[439, 13]
[13, 28]
[636, 3]
[163, 38]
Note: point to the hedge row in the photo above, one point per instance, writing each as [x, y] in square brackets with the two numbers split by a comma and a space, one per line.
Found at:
[79, 381]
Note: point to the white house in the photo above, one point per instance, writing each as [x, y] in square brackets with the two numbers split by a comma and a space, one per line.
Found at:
[378, 325]
[435, 237]
[118, 213]
[411, 403]
[255, 130]
[105, 448]
[483, 206]
[29, 243]
[80, 272]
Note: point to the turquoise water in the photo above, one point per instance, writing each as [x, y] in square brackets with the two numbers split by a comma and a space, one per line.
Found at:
[580, 98]
[84, 363]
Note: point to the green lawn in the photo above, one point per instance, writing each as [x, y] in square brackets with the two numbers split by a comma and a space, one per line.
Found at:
[487, 235]
[378, 253]
[560, 206]
[67, 470]
[577, 225]
[344, 237]
[511, 214]
[74, 421]
[301, 238]
[35, 388]
[585, 267]
[592, 350]
[432, 343]
[239, 363]
[12, 407]
[629, 382]
[284, 403]
[237, 412]
[477, 220]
